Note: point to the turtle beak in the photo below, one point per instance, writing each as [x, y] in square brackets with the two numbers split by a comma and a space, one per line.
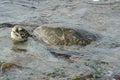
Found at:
[14, 29]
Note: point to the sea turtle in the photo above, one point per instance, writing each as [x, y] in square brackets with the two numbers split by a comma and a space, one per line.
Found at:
[54, 36]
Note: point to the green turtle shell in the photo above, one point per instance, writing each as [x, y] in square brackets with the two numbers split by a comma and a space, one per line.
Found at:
[63, 36]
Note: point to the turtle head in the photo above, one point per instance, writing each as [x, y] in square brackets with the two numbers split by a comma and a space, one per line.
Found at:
[18, 33]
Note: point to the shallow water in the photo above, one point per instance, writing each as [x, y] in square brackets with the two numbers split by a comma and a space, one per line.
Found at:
[96, 17]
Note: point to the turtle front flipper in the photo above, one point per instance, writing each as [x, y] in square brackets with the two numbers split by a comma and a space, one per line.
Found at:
[84, 42]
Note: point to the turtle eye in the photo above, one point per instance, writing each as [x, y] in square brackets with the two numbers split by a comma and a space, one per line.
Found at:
[20, 29]
[17, 30]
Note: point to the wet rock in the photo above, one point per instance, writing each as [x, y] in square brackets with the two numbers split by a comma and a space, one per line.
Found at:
[6, 66]
[9, 25]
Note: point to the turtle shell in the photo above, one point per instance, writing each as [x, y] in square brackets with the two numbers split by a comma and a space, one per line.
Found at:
[63, 36]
